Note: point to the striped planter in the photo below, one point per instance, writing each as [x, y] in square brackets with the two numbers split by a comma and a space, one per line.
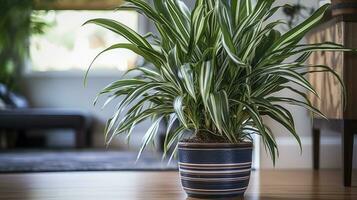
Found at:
[214, 170]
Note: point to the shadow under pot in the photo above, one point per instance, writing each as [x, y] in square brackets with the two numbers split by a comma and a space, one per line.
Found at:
[215, 170]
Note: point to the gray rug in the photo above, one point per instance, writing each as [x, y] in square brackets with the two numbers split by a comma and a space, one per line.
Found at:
[60, 161]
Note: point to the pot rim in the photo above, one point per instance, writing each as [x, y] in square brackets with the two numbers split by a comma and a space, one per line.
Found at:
[215, 145]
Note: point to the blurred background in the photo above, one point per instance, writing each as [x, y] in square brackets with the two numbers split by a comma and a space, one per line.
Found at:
[44, 106]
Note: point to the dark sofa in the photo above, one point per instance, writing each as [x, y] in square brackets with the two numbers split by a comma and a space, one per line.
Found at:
[17, 117]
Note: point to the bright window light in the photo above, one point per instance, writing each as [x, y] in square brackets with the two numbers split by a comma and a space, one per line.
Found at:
[66, 45]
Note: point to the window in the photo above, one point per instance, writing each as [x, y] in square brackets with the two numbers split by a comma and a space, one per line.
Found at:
[66, 45]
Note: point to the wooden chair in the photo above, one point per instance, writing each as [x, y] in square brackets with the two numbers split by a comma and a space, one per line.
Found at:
[348, 128]
[342, 30]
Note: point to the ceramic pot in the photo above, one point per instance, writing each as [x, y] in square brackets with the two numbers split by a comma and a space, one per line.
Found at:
[344, 7]
[214, 170]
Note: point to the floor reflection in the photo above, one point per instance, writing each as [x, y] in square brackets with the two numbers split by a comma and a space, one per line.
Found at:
[134, 185]
[237, 198]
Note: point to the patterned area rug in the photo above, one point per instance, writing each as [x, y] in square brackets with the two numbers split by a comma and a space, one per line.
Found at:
[89, 160]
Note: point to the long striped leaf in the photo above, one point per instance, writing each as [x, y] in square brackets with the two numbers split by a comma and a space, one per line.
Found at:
[206, 76]
[187, 74]
[121, 29]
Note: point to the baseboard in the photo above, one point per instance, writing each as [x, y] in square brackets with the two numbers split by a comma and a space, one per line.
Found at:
[291, 158]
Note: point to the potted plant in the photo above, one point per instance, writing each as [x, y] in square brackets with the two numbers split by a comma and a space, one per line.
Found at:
[215, 73]
[17, 22]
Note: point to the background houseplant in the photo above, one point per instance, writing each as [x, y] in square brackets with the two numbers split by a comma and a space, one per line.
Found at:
[215, 71]
[17, 22]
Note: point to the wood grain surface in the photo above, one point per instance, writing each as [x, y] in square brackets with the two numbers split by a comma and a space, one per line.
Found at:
[264, 185]
[330, 101]
[328, 87]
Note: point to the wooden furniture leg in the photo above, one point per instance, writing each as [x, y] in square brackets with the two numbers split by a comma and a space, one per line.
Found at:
[3, 140]
[316, 148]
[347, 144]
[81, 139]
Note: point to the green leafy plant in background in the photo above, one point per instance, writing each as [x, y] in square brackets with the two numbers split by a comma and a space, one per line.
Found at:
[216, 71]
[17, 22]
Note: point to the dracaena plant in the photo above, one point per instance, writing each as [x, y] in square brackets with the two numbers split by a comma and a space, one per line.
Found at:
[215, 71]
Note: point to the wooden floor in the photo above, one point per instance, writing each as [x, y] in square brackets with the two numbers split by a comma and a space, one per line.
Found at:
[267, 185]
